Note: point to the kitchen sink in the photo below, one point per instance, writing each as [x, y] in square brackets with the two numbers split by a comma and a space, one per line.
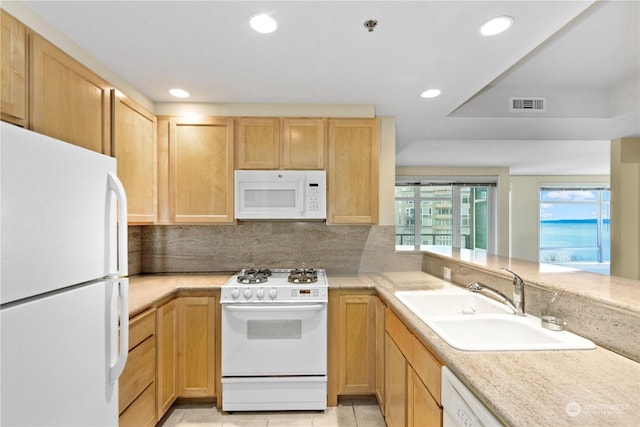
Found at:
[450, 303]
[472, 322]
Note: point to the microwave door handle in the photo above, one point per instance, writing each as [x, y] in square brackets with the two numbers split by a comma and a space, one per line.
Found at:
[272, 308]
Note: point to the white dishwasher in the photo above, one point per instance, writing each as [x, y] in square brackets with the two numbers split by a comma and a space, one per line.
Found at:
[460, 407]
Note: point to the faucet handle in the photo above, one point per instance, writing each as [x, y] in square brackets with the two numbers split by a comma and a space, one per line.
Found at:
[517, 280]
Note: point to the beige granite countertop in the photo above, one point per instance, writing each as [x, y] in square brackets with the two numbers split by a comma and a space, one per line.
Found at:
[551, 388]
[146, 291]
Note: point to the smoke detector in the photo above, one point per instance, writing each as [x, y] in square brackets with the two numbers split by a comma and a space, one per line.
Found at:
[370, 24]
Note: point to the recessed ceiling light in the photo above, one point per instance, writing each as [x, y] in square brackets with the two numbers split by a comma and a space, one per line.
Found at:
[263, 23]
[179, 93]
[496, 25]
[431, 93]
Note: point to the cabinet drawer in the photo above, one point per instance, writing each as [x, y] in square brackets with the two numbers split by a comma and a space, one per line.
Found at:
[142, 411]
[427, 368]
[142, 327]
[399, 333]
[138, 373]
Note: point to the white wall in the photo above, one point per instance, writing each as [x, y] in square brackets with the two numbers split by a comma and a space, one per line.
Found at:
[525, 209]
[25, 15]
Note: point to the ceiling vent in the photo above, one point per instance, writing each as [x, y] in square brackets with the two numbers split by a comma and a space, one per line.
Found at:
[528, 103]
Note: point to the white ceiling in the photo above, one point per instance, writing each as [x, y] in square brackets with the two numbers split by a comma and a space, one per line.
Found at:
[584, 57]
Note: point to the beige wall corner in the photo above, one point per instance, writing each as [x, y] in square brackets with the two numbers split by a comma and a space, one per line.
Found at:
[625, 207]
[387, 172]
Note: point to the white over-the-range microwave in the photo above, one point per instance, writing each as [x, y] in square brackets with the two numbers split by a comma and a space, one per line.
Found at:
[281, 194]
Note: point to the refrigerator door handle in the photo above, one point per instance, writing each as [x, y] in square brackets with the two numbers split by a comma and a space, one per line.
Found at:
[123, 291]
[116, 186]
[120, 276]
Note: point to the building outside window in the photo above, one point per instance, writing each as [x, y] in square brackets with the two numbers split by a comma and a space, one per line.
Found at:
[575, 227]
[456, 215]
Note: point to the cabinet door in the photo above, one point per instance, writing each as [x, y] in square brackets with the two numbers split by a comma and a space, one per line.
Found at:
[379, 352]
[68, 101]
[196, 337]
[353, 171]
[357, 344]
[167, 356]
[134, 145]
[395, 384]
[258, 143]
[13, 70]
[201, 170]
[422, 409]
[303, 143]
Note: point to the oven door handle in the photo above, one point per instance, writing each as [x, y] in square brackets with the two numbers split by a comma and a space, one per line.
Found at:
[271, 308]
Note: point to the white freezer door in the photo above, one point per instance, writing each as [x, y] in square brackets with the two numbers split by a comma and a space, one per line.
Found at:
[56, 357]
[58, 214]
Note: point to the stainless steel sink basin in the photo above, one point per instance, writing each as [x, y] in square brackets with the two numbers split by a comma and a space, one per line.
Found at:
[473, 322]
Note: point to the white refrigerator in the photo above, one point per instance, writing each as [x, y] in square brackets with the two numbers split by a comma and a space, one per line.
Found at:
[63, 283]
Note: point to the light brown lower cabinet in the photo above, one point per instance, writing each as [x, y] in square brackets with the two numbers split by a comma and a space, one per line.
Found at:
[137, 388]
[196, 346]
[186, 336]
[395, 385]
[422, 409]
[166, 384]
[412, 379]
[379, 352]
[351, 343]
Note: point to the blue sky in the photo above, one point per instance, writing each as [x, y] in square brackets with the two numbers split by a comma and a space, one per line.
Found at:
[563, 210]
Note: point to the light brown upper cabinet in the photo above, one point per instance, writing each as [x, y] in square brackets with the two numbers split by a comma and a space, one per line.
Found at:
[134, 145]
[353, 171]
[13, 70]
[271, 143]
[303, 143]
[258, 143]
[201, 170]
[67, 100]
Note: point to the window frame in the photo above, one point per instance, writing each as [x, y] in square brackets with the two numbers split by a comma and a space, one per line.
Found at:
[600, 201]
[456, 212]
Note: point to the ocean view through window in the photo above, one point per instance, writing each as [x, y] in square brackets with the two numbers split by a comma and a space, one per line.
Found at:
[575, 227]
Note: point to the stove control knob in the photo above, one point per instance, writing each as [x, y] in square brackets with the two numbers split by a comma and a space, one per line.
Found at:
[247, 293]
[273, 293]
[235, 293]
[260, 293]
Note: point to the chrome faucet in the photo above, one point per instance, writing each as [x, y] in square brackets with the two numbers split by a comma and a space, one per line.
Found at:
[516, 304]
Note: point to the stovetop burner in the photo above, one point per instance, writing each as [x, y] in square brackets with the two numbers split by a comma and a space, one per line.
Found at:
[252, 275]
[303, 275]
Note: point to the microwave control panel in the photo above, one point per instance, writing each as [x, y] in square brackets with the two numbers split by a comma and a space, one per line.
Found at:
[313, 197]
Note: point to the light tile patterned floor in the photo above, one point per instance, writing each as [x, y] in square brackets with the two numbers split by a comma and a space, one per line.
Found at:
[360, 412]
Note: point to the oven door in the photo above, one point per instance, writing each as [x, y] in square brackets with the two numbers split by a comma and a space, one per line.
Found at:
[274, 339]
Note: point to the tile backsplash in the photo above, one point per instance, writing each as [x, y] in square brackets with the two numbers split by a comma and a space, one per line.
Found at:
[343, 249]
